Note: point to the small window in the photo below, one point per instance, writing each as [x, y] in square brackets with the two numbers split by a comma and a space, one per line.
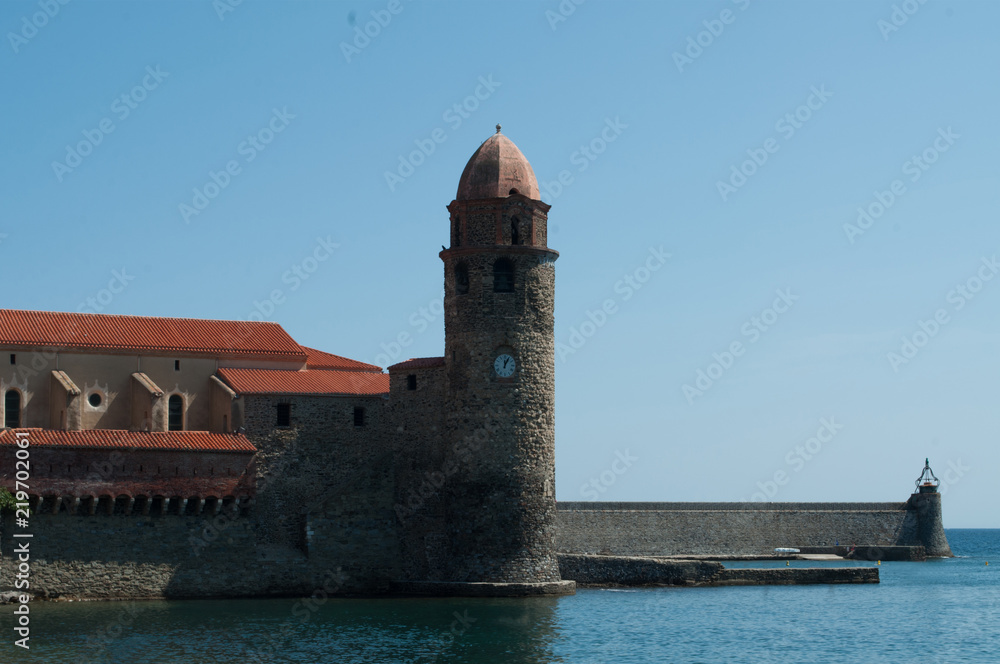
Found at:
[94, 399]
[13, 358]
[177, 365]
[12, 409]
[359, 416]
[515, 235]
[503, 276]
[284, 418]
[175, 413]
[411, 382]
[225, 424]
[461, 279]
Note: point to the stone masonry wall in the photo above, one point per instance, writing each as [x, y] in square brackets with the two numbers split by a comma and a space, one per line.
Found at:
[322, 518]
[667, 529]
[101, 556]
[325, 486]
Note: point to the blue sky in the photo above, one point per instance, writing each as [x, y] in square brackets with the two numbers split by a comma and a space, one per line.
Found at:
[829, 101]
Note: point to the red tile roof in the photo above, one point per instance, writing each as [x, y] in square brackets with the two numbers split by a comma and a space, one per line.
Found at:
[180, 336]
[195, 441]
[321, 381]
[317, 359]
[418, 363]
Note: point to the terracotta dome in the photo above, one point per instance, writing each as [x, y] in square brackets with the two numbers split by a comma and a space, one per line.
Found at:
[496, 170]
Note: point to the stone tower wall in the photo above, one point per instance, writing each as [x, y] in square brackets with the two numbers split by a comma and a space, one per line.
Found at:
[497, 522]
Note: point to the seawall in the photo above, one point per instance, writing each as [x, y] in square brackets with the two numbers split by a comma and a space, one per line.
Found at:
[706, 529]
[624, 571]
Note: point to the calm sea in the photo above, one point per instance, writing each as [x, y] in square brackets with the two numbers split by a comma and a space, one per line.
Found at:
[938, 611]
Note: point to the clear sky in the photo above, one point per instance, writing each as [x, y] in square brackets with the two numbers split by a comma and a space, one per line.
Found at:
[741, 138]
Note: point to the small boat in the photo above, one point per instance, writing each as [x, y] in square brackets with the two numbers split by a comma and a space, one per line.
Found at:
[785, 550]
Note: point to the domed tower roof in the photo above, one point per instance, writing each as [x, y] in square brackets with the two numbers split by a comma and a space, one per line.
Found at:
[496, 170]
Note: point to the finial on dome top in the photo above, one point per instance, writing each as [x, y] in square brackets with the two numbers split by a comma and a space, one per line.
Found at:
[498, 127]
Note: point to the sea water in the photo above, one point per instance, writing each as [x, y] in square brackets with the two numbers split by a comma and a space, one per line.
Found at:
[943, 610]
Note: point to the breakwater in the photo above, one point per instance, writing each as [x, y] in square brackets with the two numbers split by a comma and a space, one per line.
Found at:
[612, 571]
[746, 529]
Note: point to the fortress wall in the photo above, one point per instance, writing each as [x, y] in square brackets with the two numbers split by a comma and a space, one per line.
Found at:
[667, 529]
[322, 518]
[133, 556]
[325, 486]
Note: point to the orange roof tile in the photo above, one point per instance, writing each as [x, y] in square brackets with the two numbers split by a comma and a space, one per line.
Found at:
[317, 359]
[181, 336]
[418, 363]
[195, 441]
[322, 381]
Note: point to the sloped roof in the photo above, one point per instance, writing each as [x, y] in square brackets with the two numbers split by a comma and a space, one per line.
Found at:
[195, 441]
[312, 381]
[317, 359]
[180, 336]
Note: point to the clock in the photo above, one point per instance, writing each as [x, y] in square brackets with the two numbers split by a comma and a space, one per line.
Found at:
[504, 365]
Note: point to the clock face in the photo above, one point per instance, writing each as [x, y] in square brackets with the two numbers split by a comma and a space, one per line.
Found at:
[504, 365]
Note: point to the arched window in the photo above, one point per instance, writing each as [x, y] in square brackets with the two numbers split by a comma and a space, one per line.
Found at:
[175, 413]
[515, 235]
[12, 409]
[503, 276]
[461, 279]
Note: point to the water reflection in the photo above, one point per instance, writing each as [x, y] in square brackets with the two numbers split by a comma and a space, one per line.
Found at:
[407, 631]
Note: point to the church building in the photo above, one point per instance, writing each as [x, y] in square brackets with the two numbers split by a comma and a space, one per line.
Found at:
[191, 457]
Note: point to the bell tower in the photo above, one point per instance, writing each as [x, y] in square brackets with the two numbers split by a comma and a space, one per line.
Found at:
[499, 396]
